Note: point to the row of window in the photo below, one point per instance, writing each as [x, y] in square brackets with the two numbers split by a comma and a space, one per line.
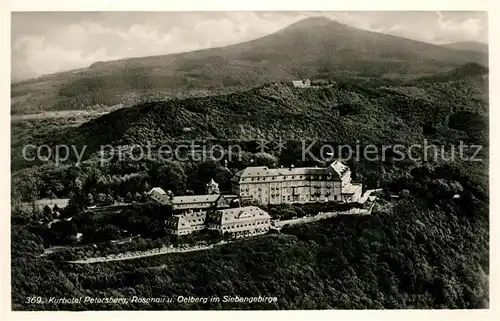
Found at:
[219, 227]
[246, 187]
[291, 198]
[272, 178]
[195, 205]
[250, 232]
[222, 228]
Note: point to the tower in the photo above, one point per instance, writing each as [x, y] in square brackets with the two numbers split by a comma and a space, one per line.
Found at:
[212, 187]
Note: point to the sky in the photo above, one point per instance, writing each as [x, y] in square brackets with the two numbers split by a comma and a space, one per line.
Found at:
[49, 42]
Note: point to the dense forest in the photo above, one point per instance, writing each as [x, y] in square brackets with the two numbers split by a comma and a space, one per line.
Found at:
[425, 250]
[442, 113]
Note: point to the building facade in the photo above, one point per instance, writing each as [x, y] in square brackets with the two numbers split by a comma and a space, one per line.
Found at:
[188, 203]
[189, 212]
[296, 185]
[187, 223]
[240, 222]
[237, 222]
[304, 83]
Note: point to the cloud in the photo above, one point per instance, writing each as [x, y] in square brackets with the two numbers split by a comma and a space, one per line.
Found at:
[44, 57]
[453, 30]
[80, 44]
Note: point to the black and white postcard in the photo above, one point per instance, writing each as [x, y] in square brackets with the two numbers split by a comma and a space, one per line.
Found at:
[249, 160]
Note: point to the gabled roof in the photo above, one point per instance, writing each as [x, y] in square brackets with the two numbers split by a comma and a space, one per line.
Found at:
[339, 168]
[240, 214]
[159, 195]
[263, 171]
[184, 221]
[212, 183]
[351, 189]
[157, 190]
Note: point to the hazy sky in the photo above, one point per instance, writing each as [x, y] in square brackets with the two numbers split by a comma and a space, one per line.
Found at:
[48, 42]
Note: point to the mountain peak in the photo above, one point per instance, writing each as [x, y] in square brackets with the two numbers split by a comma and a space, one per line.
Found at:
[313, 22]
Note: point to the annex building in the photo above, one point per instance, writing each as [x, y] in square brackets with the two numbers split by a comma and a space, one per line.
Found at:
[188, 203]
[296, 185]
[240, 221]
[196, 212]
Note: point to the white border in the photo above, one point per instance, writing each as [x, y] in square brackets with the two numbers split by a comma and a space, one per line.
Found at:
[261, 5]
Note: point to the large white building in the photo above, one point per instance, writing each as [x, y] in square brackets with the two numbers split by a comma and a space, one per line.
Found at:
[296, 185]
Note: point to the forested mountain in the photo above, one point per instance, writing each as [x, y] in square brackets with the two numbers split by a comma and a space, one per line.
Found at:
[446, 110]
[339, 112]
[464, 72]
[468, 46]
[312, 48]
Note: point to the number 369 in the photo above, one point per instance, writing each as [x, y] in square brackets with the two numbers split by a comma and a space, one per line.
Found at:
[34, 299]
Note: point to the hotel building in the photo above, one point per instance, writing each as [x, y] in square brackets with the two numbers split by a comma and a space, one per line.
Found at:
[296, 185]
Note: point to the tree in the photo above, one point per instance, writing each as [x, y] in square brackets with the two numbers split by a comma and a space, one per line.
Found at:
[56, 210]
[90, 199]
[64, 232]
[78, 184]
[265, 159]
[101, 198]
[109, 199]
[46, 210]
[51, 195]
[110, 232]
[405, 193]
[171, 176]
[147, 187]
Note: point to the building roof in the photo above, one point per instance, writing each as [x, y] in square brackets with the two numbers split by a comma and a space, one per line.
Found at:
[185, 221]
[159, 195]
[339, 168]
[158, 190]
[262, 171]
[212, 183]
[351, 189]
[193, 199]
[240, 214]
